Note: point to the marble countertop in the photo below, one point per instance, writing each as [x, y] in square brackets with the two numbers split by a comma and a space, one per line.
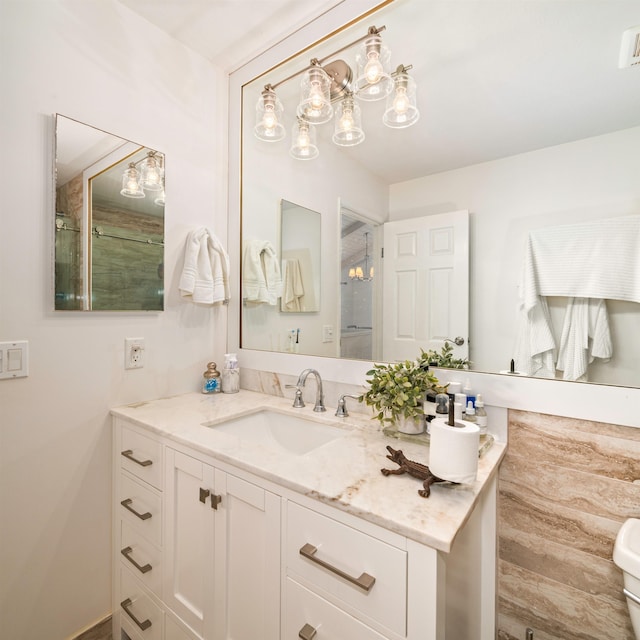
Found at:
[344, 473]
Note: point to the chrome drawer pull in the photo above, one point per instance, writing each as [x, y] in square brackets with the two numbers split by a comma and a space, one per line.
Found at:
[126, 552]
[307, 632]
[125, 604]
[365, 581]
[126, 504]
[129, 455]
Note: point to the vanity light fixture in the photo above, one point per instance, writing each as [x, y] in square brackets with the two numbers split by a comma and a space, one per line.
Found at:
[324, 83]
[143, 175]
[401, 110]
[304, 141]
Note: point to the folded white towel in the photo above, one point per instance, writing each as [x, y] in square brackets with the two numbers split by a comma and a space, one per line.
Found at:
[292, 287]
[205, 274]
[598, 259]
[261, 278]
[585, 336]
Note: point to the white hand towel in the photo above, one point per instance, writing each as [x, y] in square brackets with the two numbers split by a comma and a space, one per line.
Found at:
[585, 336]
[292, 287]
[261, 278]
[535, 344]
[205, 274]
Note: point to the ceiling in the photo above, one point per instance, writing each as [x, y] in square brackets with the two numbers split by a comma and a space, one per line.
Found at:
[495, 77]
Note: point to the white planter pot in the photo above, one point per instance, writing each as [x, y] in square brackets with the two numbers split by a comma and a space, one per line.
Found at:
[411, 426]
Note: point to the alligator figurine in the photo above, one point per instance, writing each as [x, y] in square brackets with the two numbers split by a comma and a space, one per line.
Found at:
[414, 469]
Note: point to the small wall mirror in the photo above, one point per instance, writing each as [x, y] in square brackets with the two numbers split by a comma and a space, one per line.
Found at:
[300, 254]
[109, 221]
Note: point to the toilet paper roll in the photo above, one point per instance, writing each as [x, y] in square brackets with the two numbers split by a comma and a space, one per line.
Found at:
[454, 451]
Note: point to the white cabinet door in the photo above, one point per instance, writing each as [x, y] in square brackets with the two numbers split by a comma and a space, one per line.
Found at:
[190, 541]
[248, 537]
[425, 284]
[222, 552]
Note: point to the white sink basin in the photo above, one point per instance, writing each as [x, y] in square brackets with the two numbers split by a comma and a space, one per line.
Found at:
[280, 431]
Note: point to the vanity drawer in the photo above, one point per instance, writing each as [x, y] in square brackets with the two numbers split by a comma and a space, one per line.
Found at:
[141, 557]
[138, 611]
[306, 613]
[338, 560]
[141, 456]
[141, 508]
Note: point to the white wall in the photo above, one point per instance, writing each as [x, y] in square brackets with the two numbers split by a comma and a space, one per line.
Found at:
[584, 180]
[97, 62]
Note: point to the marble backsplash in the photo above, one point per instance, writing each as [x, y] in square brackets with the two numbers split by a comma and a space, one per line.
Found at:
[565, 488]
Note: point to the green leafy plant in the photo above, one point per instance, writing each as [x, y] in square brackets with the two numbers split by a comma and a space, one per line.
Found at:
[444, 358]
[398, 389]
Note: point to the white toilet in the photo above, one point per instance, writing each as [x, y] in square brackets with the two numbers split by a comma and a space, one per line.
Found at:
[626, 554]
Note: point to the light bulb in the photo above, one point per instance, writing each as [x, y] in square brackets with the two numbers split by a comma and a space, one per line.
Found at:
[373, 69]
[316, 97]
[346, 121]
[269, 119]
[401, 101]
[359, 273]
[352, 273]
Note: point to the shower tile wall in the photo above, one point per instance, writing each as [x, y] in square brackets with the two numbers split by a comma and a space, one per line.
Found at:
[566, 486]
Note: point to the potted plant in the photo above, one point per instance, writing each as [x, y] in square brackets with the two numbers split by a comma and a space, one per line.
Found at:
[443, 359]
[396, 391]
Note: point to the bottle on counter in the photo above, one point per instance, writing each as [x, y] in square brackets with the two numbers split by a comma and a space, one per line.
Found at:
[481, 414]
[211, 382]
[470, 412]
[230, 374]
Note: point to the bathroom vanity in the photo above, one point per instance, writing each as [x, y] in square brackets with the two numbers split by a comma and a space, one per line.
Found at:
[237, 516]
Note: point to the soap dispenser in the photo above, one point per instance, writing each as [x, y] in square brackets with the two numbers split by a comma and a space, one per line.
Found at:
[230, 374]
[211, 381]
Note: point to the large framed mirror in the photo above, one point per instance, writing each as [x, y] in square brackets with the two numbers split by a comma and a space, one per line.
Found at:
[516, 126]
[109, 221]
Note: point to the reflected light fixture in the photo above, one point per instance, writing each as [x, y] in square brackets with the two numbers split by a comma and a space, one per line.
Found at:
[401, 110]
[357, 273]
[143, 175]
[268, 115]
[304, 141]
[325, 83]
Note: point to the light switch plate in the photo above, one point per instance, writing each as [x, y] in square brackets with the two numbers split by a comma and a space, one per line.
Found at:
[327, 333]
[14, 359]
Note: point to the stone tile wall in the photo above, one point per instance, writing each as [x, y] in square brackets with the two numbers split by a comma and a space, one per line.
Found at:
[565, 488]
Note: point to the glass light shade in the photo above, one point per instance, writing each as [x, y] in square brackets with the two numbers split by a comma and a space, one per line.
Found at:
[130, 186]
[352, 273]
[315, 101]
[304, 141]
[373, 81]
[371, 273]
[151, 173]
[401, 110]
[348, 124]
[160, 200]
[359, 273]
[269, 112]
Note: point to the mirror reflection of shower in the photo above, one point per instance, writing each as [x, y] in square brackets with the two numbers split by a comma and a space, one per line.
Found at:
[357, 273]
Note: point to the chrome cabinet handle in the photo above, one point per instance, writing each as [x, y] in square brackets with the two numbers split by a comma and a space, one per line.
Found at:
[126, 552]
[307, 632]
[364, 581]
[127, 505]
[125, 604]
[129, 455]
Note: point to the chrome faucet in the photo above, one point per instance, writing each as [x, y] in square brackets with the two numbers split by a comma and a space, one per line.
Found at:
[341, 411]
[298, 402]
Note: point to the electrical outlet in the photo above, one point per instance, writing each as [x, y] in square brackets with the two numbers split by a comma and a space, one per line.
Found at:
[133, 353]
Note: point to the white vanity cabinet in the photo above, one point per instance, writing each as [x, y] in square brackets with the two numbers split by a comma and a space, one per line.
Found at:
[216, 539]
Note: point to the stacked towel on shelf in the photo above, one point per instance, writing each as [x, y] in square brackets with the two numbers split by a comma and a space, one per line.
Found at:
[261, 278]
[292, 286]
[589, 262]
[205, 274]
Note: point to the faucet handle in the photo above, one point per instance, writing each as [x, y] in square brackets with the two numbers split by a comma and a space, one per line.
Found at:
[341, 411]
[298, 402]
